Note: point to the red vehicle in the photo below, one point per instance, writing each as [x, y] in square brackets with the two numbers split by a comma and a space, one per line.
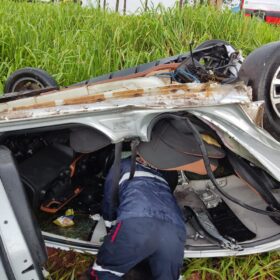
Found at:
[268, 10]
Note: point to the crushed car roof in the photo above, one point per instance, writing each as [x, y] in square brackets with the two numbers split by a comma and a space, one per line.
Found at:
[149, 92]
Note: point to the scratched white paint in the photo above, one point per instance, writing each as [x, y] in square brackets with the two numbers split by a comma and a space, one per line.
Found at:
[151, 92]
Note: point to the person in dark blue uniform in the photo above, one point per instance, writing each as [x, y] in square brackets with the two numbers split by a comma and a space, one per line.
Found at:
[149, 225]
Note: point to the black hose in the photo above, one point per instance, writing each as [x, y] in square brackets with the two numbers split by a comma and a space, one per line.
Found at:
[206, 160]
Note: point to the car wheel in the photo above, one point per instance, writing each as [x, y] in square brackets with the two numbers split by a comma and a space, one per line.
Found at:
[261, 71]
[27, 79]
[222, 57]
[210, 43]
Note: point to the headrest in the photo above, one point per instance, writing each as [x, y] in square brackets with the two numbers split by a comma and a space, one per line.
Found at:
[87, 140]
[173, 146]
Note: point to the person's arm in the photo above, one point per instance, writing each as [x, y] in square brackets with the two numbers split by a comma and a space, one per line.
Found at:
[109, 206]
[109, 212]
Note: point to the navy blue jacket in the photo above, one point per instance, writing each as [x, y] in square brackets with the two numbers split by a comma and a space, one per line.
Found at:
[146, 195]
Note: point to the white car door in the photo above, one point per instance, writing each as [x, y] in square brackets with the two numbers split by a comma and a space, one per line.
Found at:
[22, 249]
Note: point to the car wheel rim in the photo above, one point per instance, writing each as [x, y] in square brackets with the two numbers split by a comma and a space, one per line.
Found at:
[26, 84]
[275, 92]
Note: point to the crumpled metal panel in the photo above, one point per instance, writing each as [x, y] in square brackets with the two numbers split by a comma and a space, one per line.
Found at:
[255, 111]
[242, 136]
[149, 92]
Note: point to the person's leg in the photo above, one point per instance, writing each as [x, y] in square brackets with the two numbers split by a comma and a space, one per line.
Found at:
[167, 261]
[92, 275]
[127, 244]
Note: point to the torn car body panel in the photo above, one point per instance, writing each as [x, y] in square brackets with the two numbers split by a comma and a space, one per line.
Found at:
[151, 92]
[243, 137]
[130, 105]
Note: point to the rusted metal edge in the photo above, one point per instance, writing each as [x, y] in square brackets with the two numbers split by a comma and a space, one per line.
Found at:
[142, 92]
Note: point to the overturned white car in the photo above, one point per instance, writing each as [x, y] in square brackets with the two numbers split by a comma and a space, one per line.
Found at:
[200, 114]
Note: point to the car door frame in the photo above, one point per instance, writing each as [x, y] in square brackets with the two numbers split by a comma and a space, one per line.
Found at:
[21, 244]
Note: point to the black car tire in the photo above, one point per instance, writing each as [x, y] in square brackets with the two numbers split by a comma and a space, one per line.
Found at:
[259, 70]
[27, 79]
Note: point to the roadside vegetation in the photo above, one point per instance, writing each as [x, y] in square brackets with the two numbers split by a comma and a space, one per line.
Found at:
[68, 266]
[73, 44]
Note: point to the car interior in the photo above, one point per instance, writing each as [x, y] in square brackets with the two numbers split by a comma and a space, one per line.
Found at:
[65, 167]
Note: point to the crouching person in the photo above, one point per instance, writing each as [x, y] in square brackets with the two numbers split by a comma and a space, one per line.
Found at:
[149, 225]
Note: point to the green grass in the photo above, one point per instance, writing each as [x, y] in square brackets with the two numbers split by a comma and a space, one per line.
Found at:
[74, 44]
[69, 266]
[253, 267]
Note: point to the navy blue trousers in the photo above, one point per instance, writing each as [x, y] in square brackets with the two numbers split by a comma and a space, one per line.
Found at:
[134, 240]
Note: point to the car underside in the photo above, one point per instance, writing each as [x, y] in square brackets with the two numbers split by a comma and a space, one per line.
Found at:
[65, 141]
